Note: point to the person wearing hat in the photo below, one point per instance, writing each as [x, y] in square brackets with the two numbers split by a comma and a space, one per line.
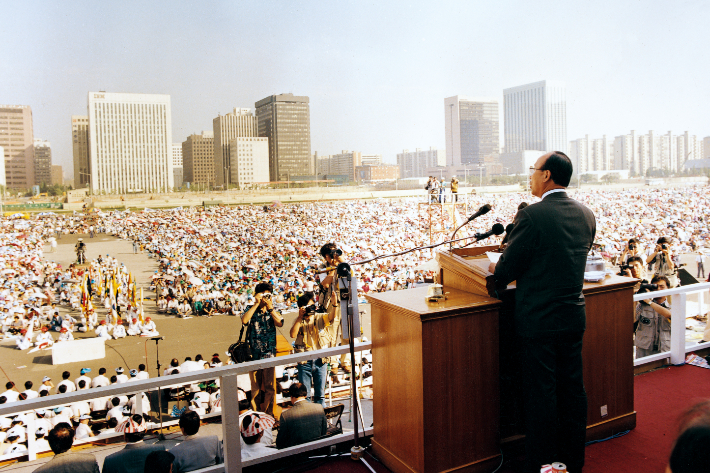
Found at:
[47, 385]
[134, 327]
[119, 331]
[60, 439]
[41, 444]
[120, 376]
[24, 341]
[252, 427]
[131, 459]
[83, 431]
[14, 447]
[83, 377]
[149, 329]
[102, 331]
[44, 338]
[65, 335]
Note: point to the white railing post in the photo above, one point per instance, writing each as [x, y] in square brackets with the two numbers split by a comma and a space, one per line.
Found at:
[138, 401]
[231, 435]
[678, 309]
[31, 436]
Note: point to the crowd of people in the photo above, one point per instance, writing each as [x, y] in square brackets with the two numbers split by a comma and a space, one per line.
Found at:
[210, 260]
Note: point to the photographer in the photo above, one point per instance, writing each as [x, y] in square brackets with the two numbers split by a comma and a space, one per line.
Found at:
[633, 268]
[313, 331]
[632, 249]
[653, 319]
[663, 262]
[328, 299]
[80, 249]
[261, 320]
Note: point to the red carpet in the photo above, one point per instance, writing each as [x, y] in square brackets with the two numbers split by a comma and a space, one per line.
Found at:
[660, 398]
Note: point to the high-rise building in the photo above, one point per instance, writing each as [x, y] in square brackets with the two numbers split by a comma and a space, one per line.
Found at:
[17, 138]
[249, 158]
[535, 117]
[130, 142]
[241, 123]
[43, 162]
[415, 163]
[472, 130]
[344, 164]
[57, 175]
[177, 154]
[198, 158]
[370, 159]
[3, 179]
[285, 120]
[80, 150]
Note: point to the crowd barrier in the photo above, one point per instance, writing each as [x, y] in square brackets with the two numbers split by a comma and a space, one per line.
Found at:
[230, 405]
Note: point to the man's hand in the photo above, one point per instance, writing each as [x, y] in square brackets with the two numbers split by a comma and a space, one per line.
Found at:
[268, 303]
[492, 268]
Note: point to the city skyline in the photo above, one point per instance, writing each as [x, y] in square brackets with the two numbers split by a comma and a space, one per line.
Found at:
[374, 84]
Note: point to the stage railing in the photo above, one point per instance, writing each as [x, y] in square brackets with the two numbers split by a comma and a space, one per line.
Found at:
[681, 306]
[229, 404]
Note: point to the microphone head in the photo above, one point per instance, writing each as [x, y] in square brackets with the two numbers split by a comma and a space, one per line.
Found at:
[509, 227]
[484, 209]
[498, 229]
[522, 205]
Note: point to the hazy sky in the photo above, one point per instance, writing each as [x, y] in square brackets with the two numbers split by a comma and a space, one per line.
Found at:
[376, 73]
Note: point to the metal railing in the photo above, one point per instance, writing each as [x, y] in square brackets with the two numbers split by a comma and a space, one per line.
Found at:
[229, 404]
[679, 310]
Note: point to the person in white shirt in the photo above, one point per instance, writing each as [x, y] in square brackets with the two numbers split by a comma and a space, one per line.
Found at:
[65, 335]
[80, 408]
[99, 404]
[71, 387]
[102, 331]
[61, 414]
[134, 327]
[120, 377]
[142, 373]
[145, 404]
[14, 447]
[252, 427]
[115, 411]
[29, 392]
[119, 331]
[149, 328]
[47, 385]
[83, 377]
[11, 394]
[162, 304]
[83, 431]
[44, 338]
[24, 341]
[100, 380]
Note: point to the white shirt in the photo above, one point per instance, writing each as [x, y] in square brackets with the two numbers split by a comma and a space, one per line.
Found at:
[83, 431]
[552, 191]
[11, 395]
[71, 387]
[100, 381]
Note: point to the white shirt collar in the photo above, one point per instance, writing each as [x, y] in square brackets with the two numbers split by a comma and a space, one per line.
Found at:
[552, 191]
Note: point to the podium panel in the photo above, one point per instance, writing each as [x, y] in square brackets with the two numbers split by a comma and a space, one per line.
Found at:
[436, 408]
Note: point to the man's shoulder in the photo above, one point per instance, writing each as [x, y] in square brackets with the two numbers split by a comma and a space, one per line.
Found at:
[67, 458]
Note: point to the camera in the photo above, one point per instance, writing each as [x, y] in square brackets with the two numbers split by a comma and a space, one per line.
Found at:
[645, 287]
[310, 310]
[266, 296]
[334, 253]
[632, 246]
[664, 246]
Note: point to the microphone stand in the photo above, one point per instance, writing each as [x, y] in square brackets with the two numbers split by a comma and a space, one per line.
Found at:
[161, 436]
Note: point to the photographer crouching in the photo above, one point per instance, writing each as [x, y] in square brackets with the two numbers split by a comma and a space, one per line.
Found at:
[313, 331]
[652, 318]
[261, 320]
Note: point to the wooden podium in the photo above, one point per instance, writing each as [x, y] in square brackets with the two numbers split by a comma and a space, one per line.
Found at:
[449, 398]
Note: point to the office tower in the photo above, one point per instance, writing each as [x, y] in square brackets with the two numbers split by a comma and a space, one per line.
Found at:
[344, 164]
[17, 138]
[80, 150]
[198, 158]
[130, 143]
[43, 162]
[415, 163]
[57, 175]
[535, 117]
[249, 158]
[471, 129]
[241, 123]
[285, 120]
[177, 154]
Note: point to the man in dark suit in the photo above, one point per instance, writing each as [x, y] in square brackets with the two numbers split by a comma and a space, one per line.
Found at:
[132, 458]
[60, 439]
[546, 256]
[195, 452]
[304, 422]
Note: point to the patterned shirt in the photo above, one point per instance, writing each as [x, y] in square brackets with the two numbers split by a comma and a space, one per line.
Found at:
[261, 334]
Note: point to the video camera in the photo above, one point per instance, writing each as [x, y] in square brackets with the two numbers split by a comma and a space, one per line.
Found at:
[646, 287]
[335, 252]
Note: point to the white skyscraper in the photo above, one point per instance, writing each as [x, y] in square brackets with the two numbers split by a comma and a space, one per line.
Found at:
[130, 137]
[250, 161]
[535, 117]
[472, 129]
[177, 154]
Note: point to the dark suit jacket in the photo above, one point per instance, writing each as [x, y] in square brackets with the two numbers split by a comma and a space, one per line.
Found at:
[129, 460]
[69, 462]
[546, 256]
[302, 423]
[197, 452]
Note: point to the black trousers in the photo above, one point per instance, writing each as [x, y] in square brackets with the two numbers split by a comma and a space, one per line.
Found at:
[555, 401]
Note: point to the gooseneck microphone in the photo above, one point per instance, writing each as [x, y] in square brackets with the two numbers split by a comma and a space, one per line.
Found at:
[497, 229]
[483, 210]
[508, 229]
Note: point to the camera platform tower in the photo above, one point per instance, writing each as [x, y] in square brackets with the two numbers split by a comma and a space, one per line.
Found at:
[443, 218]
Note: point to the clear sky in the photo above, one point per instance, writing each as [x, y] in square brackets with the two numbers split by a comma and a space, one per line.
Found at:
[376, 73]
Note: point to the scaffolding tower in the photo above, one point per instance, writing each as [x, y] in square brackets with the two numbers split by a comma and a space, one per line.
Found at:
[443, 217]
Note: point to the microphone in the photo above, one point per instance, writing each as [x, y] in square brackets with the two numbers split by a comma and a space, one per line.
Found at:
[508, 229]
[497, 229]
[157, 338]
[327, 269]
[483, 210]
